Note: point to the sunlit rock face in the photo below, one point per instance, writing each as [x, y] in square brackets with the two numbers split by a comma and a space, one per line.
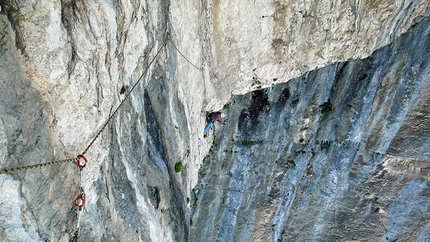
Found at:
[102, 49]
[65, 66]
[338, 154]
[248, 44]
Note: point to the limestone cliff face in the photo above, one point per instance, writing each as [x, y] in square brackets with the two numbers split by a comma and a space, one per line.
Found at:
[339, 154]
[66, 65]
[251, 44]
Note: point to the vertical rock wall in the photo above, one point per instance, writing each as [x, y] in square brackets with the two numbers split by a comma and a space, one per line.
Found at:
[132, 191]
[251, 44]
[66, 65]
[339, 154]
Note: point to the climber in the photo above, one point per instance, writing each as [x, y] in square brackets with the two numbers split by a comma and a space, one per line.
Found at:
[212, 117]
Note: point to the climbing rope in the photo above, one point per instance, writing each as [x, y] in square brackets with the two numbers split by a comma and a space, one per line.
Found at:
[23, 168]
[81, 160]
[125, 98]
[168, 37]
[174, 46]
[57, 162]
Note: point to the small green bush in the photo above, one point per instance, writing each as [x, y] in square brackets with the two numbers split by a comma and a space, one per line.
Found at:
[326, 107]
[291, 164]
[301, 140]
[178, 167]
[252, 143]
[206, 159]
[195, 198]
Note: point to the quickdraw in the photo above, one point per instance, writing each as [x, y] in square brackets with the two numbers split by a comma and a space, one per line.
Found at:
[80, 201]
[79, 160]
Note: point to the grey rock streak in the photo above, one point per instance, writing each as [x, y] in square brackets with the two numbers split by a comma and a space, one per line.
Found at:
[361, 171]
[66, 65]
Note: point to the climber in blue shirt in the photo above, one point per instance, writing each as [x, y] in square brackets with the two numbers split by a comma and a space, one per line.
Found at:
[212, 117]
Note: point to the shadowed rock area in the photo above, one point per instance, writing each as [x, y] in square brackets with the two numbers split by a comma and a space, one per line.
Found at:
[340, 153]
[281, 170]
[127, 199]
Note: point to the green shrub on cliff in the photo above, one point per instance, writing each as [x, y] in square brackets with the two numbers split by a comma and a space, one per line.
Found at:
[178, 167]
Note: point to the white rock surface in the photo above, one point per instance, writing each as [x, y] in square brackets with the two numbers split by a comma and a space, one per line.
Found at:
[63, 65]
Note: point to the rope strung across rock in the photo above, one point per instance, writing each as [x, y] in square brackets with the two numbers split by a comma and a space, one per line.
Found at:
[23, 168]
[174, 46]
[81, 160]
[125, 98]
[57, 162]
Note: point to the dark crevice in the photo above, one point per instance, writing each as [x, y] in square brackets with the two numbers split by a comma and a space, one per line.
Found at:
[14, 18]
[159, 151]
[68, 20]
